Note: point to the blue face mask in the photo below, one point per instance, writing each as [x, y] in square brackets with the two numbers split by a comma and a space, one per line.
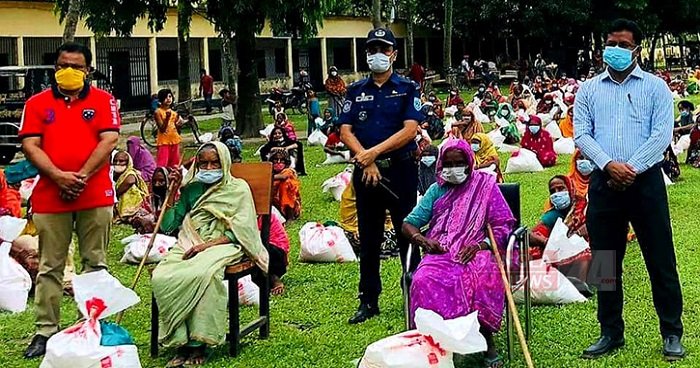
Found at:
[685, 113]
[617, 57]
[209, 176]
[428, 160]
[534, 129]
[560, 200]
[585, 167]
[476, 147]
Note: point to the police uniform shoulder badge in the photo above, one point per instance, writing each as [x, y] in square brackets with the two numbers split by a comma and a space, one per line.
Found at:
[88, 114]
[347, 106]
[417, 103]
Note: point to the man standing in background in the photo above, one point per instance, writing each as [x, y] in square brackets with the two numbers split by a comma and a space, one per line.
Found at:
[206, 88]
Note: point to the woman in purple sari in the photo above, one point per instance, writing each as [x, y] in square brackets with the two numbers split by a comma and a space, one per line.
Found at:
[458, 274]
[143, 160]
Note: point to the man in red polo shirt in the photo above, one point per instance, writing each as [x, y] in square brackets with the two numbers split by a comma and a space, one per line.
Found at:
[68, 133]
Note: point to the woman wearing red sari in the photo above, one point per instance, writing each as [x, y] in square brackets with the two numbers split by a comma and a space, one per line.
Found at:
[540, 142]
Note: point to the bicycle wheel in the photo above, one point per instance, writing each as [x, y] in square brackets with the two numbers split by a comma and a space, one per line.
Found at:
[302, 108]
[194, 126]
[149, 131]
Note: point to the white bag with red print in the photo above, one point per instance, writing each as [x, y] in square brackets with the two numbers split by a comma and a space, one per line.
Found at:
[248, 291]
[337, 184]
[15, 282]
[324, 244]
[98, 295]
[431, 345]
[136, 245]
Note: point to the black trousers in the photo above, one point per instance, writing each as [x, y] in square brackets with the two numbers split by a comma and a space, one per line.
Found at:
[645, 205]
[277, 266]
[372, 204]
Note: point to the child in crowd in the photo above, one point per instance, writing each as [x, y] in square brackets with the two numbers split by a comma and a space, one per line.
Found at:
[168, 138]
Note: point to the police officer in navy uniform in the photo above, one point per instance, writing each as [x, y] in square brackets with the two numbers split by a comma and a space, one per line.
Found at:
[379, 123]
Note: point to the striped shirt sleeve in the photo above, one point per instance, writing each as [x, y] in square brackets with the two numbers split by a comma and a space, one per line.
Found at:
[583, 129]
[661, 131]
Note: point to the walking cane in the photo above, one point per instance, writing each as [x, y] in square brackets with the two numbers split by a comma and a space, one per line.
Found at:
[171, 191]
[511, 302]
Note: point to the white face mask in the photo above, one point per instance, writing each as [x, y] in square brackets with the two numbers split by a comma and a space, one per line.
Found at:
[454, 175]
[334, 73]
[428, 160]
[119, 168]
[379, 62]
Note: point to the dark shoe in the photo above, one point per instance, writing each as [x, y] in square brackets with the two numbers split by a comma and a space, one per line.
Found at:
[604, 345]
[364, 312]
[673, 349]
[37, 348]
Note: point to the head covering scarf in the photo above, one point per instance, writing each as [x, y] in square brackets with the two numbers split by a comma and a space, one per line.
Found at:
[579, 182]
[507, 107]
[486, 150]
[143, 160]
[157, 199]
[132, 200]
[215, 211]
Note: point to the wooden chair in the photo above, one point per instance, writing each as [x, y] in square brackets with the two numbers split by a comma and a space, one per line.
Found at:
[259, 178]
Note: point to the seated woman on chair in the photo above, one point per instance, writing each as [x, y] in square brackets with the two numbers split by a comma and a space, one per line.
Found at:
[459, 274]
[568, 205]
[217, 225]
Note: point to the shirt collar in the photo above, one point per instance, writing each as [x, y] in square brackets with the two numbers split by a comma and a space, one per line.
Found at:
[82, 95]
[395, 79]
[636, 72]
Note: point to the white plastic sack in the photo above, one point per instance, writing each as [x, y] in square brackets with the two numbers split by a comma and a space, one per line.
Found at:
[565, 146]
[248, 291]
[98, 295]
[545, 118]
[523, 161]
[135, 248]
[206, 137]
[450, 111]
[15, 282]
[268, 129]
[508, 148]
[667, 180]
[317, 138]
[549, 286]
[324, 244]
[560, 247]
[336, 159]
[479, 115]
[554, 130]
[682, 145]
[491, 169]
[27, 187]
[278, 214]
[496, 137]
[431, 345]
[337, 184]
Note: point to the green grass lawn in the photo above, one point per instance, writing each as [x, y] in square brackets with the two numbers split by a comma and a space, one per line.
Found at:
[309, 323]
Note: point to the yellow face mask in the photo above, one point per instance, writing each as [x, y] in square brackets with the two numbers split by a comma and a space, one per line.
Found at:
[69, 79]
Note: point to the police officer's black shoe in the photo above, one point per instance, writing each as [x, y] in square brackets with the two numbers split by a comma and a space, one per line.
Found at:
[364, 312]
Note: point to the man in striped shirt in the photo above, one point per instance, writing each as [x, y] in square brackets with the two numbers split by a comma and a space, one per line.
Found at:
[623, 122]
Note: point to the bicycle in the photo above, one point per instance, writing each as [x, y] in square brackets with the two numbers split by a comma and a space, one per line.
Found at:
[149, 129]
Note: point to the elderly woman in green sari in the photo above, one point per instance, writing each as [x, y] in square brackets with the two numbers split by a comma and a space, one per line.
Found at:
[217, 224]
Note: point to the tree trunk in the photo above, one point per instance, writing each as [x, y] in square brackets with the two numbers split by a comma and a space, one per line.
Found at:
[409, 33]
[376, 13]
[71, 21]
[447, 45]
[249, 114]
[228, 48]
[652, 52]
[184, 84]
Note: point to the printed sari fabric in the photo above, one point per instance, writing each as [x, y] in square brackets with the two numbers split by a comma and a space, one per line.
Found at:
[286, 195]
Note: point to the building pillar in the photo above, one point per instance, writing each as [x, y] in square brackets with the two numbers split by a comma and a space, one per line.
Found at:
[93, 49]
[405, 54]
[427, 53]
[20, 52]
[353, 53]
[290, 63]
[324, 59]
[205, 54]
[153, 64]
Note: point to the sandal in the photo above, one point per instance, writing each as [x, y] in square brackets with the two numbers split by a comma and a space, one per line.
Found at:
[179, 359]
[496, 362]
[198, 357]
[277, 287]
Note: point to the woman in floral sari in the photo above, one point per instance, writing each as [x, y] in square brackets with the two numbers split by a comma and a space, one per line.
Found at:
[459, 274]
[335, 87]
[217, 226]
[132, 190]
